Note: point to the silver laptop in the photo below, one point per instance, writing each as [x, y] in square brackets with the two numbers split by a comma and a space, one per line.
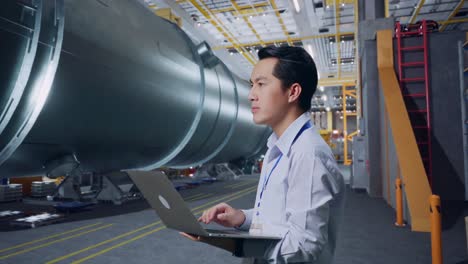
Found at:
[172, 209]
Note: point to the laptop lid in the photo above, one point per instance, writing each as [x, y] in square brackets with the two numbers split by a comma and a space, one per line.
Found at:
[161, 195]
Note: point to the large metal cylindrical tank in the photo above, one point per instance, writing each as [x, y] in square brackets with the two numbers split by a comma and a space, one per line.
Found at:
[115, 87]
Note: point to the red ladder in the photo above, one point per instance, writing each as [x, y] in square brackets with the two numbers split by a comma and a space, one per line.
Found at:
[420, 116]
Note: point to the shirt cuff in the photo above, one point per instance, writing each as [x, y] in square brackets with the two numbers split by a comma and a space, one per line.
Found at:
[248, 220]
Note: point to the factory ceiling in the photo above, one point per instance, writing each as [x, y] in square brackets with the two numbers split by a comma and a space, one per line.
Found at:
[236, 29]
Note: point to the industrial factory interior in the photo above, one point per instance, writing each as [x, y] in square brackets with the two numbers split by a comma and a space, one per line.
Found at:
[106, 105]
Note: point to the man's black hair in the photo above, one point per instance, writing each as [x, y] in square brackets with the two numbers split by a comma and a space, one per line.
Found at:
[294, 65]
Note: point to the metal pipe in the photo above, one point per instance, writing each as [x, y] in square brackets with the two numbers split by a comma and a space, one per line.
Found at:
[130, 91]
[436, 229]
[399, 203]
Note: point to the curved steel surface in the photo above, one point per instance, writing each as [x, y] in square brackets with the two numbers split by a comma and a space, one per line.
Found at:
[20, 24]
[40, 80]
[130, 91]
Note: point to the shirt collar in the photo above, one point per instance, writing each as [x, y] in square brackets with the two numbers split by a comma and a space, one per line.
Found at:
[285, 141]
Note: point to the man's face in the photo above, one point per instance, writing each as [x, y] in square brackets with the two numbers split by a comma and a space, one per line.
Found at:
[269, 101]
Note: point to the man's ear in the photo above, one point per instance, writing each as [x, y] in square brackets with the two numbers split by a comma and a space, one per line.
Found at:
[294, 92]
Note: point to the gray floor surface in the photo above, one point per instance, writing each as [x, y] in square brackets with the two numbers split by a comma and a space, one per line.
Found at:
[131, 233]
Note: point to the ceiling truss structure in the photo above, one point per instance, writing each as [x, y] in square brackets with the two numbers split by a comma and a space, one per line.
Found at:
[325, 28]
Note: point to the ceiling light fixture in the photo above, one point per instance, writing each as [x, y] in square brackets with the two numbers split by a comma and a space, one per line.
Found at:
[309, 49]
[297, 6]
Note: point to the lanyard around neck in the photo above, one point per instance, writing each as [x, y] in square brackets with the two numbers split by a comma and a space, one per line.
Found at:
[265, 181]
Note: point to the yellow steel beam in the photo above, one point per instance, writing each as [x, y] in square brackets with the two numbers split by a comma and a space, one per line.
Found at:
[339, 34]
[331, 2]
[280, 20]
[412, 169]
[416, 12]
[329, 121]
[387, 11]
[237, 7]
[350, 136]
[454, 12]
[337, 38]
[387, 159]
[454, 21]
[218, 25]
[243, 7]
[326, 82]
[351, 93]
[248, 44]
[345, 92]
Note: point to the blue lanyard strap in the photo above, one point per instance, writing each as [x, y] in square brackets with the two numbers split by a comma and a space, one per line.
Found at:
[265, 182]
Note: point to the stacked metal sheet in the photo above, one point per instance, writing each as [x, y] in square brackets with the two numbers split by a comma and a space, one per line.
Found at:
[42, 188]
[37, 220]
[9, 213]
[11, 192]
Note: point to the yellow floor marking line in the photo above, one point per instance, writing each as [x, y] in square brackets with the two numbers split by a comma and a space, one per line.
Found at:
[201, 197]
[244, 182]
[144, 234]
[139, 229]
[102, 243]
[240, 185]
[233, 185]
[193, 196]
[54, 242]
[49, 237]
[223, 198]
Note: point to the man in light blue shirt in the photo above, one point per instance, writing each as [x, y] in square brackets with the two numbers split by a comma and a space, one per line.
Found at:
[301, 190]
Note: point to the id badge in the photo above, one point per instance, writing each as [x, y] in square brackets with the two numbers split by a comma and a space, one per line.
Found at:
[256, 228]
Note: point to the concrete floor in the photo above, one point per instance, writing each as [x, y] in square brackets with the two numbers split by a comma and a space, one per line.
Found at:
[128, 237]
[132, 233]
